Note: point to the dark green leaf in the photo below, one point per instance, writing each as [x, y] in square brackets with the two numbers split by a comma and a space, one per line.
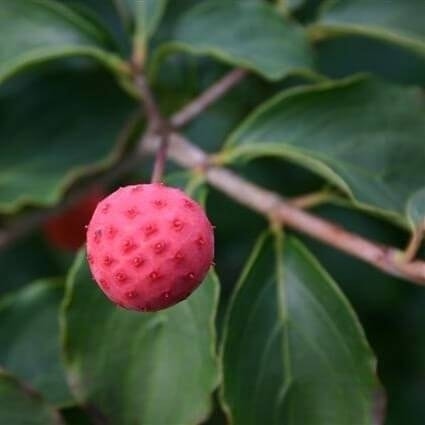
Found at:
[33, 31]
[362, 135]
[293, 4]
[416, 209]
[397, 21]
[293, 351]
[55, 129]
[147, 15]
[20, 405]
[212, 127]
[351, 54]
[77, 415]
[390, 310]
[140, 368]
[29, 339]
[188, 76]
[247, 34]
[112, 14]
[26, 260]
[289, 5]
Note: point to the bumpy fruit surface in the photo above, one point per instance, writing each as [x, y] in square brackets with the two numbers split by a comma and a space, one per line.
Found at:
[67, 230]
[149, 246]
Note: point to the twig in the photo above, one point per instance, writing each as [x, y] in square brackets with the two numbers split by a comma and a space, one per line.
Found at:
[160, 159]
[208, 97]
[157, 124]
[148, 99]
[267, 203]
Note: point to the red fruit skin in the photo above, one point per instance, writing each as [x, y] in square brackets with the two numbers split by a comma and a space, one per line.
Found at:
[67, 230]
[149, 246]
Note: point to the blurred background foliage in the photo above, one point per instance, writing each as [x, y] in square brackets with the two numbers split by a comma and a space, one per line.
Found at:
[62, 116]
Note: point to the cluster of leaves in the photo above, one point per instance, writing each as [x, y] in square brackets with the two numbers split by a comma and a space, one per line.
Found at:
[283, 344]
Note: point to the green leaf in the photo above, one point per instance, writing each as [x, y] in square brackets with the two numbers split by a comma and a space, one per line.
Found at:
[112, 14]
[294, 4]
[186, 77]
[147, 15]
[363, 135]
[26, 260]
[288, 5]
[33, 31]
[140, 368]
[397, 21]
[211, 128]
[416, 209]
[293, 350]
[351, 54]
[247, 34]
[20, 405]
[29, 339]
[56, 128]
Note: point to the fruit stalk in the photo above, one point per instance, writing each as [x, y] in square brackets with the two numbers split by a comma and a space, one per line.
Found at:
[156, 122]
[160, 160]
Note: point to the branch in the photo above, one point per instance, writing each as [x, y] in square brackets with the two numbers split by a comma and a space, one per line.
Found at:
[160, 159]
[157, 124]
[388, 259]
[208, 97]
[152, 111]
[269, 204]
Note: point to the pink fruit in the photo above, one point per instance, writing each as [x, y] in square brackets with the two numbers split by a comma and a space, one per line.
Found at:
[149, 246]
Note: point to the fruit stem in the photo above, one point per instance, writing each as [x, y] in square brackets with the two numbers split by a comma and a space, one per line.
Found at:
[157, 123]
[160, 159]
